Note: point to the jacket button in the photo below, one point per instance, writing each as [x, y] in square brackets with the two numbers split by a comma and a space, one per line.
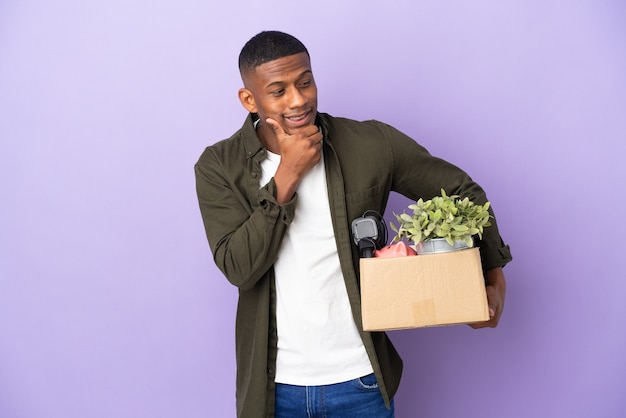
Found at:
[254, 175]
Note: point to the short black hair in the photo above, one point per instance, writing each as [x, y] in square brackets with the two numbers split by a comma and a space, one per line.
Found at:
[268, 46]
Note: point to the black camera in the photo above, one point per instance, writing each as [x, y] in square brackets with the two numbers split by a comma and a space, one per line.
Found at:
[369, 233]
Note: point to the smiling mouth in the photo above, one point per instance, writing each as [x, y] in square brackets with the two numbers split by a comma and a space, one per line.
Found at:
[298, 118]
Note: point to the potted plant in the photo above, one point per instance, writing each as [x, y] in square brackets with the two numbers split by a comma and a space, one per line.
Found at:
[443, 223]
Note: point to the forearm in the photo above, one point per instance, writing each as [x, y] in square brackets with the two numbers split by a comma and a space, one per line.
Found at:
[495, 277]
[244, 235]
[248, 252]
[496, 293]
[286, 182]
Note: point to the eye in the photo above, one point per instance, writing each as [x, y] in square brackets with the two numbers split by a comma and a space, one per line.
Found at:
[277, 93]
[305, 83]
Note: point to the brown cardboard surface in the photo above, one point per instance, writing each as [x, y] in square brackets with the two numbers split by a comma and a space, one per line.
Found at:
[423, 290]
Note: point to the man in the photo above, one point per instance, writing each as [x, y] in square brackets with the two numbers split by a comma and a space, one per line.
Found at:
[277, 200]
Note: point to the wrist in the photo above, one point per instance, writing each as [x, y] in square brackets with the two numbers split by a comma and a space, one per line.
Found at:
[495, 277]
[286, 185]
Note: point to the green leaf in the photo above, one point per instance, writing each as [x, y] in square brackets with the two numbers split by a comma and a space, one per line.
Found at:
[406, 218]
[445, 216]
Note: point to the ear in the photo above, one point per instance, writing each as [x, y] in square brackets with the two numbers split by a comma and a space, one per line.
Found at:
[247, 100]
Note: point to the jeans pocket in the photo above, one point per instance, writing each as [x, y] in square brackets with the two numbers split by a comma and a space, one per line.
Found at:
[367, 383]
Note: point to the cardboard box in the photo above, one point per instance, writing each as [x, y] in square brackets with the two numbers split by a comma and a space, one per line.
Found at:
[423, 290]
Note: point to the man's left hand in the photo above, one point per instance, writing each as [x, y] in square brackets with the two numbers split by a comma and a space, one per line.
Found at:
[496, 291]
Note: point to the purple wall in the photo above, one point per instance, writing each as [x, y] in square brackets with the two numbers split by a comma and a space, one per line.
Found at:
[110, 305]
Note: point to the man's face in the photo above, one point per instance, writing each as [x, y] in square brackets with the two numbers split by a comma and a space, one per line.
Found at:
[284, 90]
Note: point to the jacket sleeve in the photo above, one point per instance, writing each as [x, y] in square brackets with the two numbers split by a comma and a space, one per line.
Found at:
[417, 174]
[244, 232]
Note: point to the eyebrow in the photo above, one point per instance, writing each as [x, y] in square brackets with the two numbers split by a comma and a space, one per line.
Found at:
[279, 83]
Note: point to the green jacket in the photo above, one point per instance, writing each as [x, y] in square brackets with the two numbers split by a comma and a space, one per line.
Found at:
[244, 224]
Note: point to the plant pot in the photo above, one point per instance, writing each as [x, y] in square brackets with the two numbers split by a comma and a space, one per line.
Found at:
[439, 245]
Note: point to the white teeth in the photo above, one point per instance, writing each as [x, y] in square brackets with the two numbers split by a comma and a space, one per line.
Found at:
[297, 118]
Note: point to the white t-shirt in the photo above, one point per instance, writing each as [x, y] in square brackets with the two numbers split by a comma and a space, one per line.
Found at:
[318, 342]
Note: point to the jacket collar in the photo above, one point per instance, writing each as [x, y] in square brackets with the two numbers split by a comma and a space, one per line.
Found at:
[251, 141]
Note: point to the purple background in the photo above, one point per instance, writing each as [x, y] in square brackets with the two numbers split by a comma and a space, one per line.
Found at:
[110, 305]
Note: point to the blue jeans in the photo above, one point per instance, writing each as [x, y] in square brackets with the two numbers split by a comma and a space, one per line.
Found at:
[358, 398]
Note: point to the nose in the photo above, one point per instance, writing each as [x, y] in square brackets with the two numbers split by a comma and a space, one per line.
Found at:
[295, 98]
